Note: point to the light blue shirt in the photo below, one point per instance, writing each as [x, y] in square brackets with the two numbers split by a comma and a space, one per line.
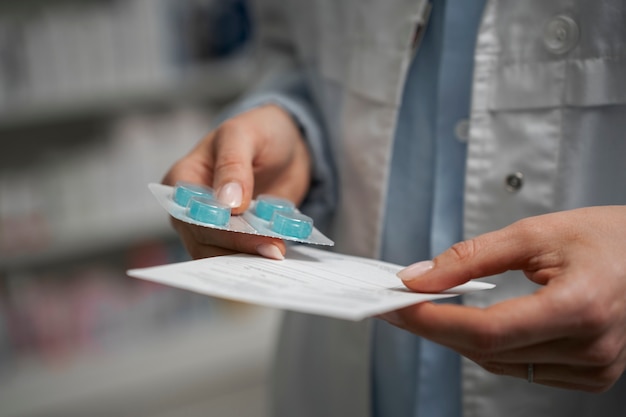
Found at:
[412, 376]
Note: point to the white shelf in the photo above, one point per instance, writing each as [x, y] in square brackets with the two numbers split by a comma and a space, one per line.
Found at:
[217, 367]
[216, 83]
[93, 241]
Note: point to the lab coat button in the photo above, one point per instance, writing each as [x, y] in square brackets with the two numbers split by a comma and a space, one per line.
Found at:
[461, 130]
[514, 182]
[561, 34]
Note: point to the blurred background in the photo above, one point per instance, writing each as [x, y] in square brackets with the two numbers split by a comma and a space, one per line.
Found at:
[97, 99]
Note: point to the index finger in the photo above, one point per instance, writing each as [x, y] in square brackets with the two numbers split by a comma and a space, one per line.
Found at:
[492, 253]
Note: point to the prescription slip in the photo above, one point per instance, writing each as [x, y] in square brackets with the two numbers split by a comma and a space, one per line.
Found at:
[308, 280]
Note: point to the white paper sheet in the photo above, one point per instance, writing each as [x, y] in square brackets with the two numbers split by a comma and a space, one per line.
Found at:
[309, 280]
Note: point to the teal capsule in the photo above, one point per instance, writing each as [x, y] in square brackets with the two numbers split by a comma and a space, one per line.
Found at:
[208, 210]
[184, 191]
[266, 206]
[292, 224]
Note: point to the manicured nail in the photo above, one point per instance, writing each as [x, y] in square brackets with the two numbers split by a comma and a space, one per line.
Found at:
[270, 251]
[414, 271]
[231, 194]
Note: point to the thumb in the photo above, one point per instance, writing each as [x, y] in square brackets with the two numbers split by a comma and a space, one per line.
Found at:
[482, 256]
[233, 177]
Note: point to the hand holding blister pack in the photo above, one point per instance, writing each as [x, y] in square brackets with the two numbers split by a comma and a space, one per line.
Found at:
[267, 215]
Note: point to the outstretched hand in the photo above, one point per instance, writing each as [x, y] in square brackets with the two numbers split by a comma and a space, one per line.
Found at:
[259, 151]
[573, 329]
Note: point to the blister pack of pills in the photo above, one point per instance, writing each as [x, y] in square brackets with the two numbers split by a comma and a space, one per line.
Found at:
[266, 216]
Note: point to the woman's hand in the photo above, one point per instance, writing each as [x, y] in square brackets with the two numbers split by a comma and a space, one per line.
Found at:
[259, 151]
[573, 329]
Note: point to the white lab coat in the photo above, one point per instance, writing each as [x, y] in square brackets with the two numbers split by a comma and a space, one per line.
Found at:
[549, 106]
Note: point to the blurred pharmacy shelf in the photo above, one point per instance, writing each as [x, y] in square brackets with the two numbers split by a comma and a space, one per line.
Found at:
[91, 195]
[69, 59]
[202, 368]
[98, 98]
[214, 84]
[101, 239]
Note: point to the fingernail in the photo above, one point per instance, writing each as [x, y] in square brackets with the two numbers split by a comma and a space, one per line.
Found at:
[270, 251]
[231, 194]
[414, 271]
